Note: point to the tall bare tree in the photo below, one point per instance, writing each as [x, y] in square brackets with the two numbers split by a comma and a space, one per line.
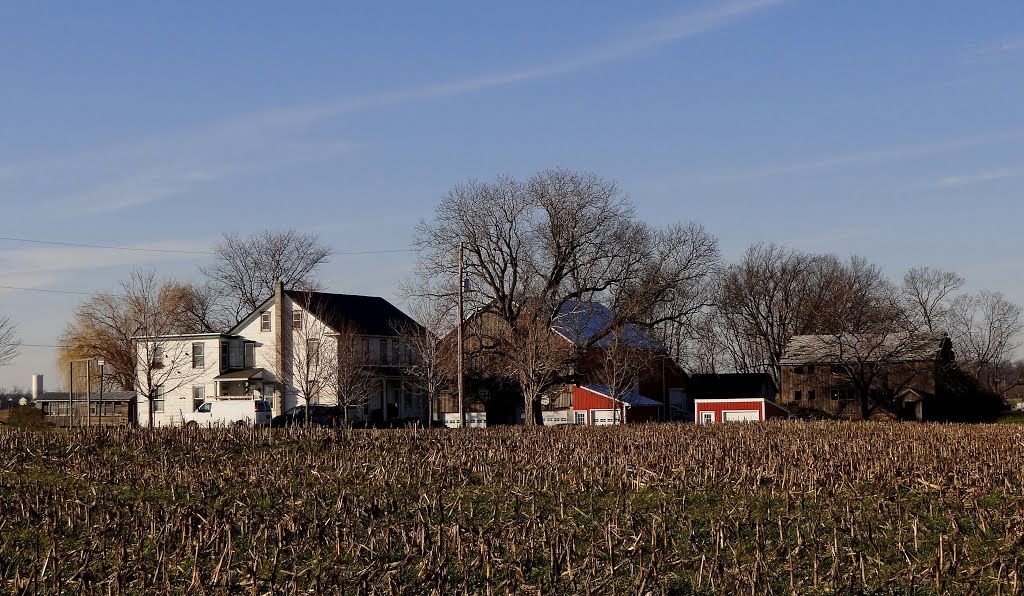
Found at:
[308, 357]
[127, 329]
[430, 362]
[353, 378]
[246, 268]
[926, 294]
[986, 331]
[533, 246]
[10, 345]
[763, 303]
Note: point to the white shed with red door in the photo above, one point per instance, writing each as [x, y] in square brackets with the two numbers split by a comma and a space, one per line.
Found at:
[754, 409]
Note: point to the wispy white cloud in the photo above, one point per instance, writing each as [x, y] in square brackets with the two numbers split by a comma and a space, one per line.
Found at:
[853, 158]
[664, 32]
[169, 166]
[978, 177]
[1006, 48]
[40, 265]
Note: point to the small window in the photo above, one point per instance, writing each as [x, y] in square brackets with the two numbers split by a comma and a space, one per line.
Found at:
[581, 417]
[811, 395]
[312, 350]
[158, 354]
[265, 321]
[798, 370]
[839, 393]
[297, 320]
[798, 395]
[707, 417]
[198, 355]
[198, 396]
[158, 398]
[224, 364]
[250, 355]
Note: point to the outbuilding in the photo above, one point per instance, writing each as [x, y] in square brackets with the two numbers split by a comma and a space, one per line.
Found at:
[752, 409]
[593, 405]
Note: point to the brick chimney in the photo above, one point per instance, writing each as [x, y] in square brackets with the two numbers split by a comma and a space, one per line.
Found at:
[280, 346]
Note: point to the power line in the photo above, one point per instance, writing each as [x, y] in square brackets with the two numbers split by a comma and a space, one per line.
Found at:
[105, 247]
[181, 251]
[48, 291]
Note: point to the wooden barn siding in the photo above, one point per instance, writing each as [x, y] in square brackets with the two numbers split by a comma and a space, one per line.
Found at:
[920, 376]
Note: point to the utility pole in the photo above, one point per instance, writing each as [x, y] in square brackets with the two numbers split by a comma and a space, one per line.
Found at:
[88, 394]
[71, 389]
[462, 411]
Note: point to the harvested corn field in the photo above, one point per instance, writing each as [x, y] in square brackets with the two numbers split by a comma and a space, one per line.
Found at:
[661, 509]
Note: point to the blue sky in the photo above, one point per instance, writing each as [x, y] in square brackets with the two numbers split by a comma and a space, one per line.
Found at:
[892, 130]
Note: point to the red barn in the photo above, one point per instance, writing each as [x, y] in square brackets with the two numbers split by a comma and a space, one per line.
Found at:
[748, 409]
[592, 405]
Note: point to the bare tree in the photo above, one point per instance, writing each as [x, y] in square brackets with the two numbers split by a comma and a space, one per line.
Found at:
[926, 295]
[309, 356]
[986, 331]
[353, 379]
[862, 327]
[761, 302]
[10, 345]
[429, 363]
[246, 268]
[128, 330]
[619, 360]
[533, 246]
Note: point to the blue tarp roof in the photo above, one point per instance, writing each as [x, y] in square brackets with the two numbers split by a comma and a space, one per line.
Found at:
[581, 322]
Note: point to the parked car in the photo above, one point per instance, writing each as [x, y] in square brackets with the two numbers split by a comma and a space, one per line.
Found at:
[318, 416]
[227, 412]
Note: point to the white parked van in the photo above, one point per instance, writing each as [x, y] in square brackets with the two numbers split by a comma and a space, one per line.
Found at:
[227, 412]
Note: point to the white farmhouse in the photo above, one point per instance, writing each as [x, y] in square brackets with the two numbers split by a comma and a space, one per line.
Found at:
[328, 348]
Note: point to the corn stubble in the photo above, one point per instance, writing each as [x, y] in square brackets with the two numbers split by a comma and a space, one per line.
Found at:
[668, 509]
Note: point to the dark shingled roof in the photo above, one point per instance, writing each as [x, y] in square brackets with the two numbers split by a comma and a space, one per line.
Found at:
[729, 384]
[902, 347]
[371, 315]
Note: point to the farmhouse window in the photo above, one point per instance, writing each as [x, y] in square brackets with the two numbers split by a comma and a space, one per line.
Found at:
[224, 364]
[798, 395]
[158, 398]
[158, 355]
[581, 417]
[312, 352]
[840, 393]
[297, 320]
[250, 355]
[198, 396]
[811, 395]
[198, 355]
[265, 321]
